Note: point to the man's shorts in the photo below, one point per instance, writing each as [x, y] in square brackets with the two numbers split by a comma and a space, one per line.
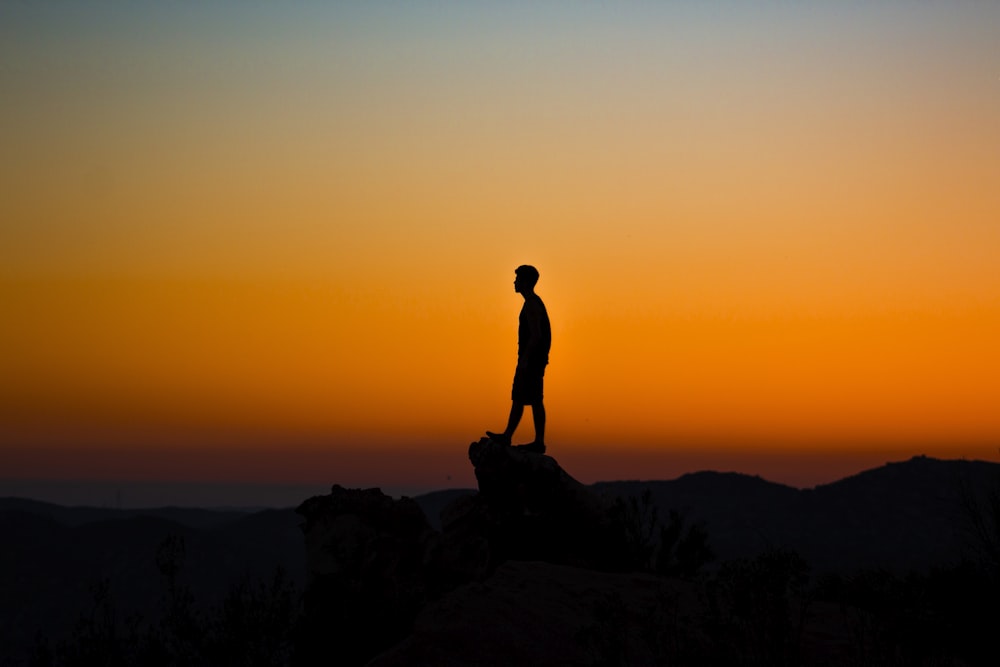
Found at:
[527, 389]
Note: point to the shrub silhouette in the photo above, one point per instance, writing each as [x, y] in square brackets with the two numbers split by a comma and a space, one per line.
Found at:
[682, 553]
[635, 519]
[681, 550]
[945, 616]
[982, 518]
[252, 626]
[758, 608]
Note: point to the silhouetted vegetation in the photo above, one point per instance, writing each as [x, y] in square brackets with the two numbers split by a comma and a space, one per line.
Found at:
[943, 617]
[252, 626]
[683, 549]
[754, 613]
[757, 609]
[607, 638]
[674, 549]
[982, 516]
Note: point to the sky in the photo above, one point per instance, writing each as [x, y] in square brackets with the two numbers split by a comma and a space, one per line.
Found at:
[252, 243]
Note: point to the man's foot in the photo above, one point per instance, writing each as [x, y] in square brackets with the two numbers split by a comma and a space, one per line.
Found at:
[533, 447]
[499, 438]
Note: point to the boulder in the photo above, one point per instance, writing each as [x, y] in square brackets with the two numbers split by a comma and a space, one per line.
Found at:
[367, 556]
[373, 561]
[533, 613]
[529, 508]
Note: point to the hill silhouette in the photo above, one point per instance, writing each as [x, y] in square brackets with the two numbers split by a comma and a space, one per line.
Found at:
[901, 516]
[445, 558]
[78, 516]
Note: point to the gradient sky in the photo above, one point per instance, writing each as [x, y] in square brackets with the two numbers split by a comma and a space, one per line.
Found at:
[247, 242]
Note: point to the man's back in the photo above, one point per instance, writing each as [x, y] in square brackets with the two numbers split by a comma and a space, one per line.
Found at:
[534, 333]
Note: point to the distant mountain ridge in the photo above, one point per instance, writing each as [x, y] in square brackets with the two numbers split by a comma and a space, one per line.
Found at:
[80, 515]
[901, 516]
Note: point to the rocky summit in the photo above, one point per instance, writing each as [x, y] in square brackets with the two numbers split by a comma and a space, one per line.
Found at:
[529, 508]
[374, 562]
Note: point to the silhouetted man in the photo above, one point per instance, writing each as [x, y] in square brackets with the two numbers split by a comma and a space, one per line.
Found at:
[534, 337]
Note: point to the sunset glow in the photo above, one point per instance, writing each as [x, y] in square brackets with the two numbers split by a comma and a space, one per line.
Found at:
[272, 244]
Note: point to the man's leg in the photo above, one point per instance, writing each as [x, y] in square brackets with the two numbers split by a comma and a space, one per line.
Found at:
[533, 386]
[516, 412]
[536, 446]
[538, 415]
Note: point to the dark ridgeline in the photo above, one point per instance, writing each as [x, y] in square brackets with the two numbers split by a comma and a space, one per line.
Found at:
[884, 567]
[899, 517]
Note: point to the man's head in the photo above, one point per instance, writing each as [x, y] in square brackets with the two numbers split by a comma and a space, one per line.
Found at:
[525, 278]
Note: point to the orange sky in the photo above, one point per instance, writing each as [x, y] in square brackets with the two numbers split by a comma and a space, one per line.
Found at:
[277, 245]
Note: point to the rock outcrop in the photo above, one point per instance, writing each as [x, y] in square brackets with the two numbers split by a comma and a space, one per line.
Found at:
[529, 508]
[534, 613]
[374, 562]
[367, 556]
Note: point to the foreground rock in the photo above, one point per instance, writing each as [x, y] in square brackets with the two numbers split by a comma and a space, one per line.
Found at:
[533, 613]
[529, 508]
[369, 573]
[374, 562]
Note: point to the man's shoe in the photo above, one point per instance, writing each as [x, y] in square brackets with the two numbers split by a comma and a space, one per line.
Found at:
[499, 438]
[533, 447]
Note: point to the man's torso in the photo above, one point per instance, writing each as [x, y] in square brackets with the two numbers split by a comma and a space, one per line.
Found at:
[534, 333]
